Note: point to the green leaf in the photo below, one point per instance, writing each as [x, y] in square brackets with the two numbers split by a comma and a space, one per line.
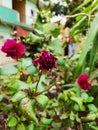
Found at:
[75, 56]
[93, 127]
[12, 121]
[92, 108]
[76, 107]
[89, 117]
[56, 45]
[30, 127]
[32, 39]
[49, 27]
[43, 100]
[19, 85]
[32, 70]
[63, 96]
[81, 5]
[13, 128]
[46, 121]
[1, 97]
[78, 25]
[18, 96]
[27, 106]
[42, 83]
[86, 98]
[84, 95]
[92, 33]
[79, 101]
[72, 116]
[21, 127]
[64, 116]
[89, 99]
[56, 32]
[70, 85]
[24, 63]
[8, 107]
[8, 70]
[39, 32]
[60, 62]
[56, 125]
[93, 54]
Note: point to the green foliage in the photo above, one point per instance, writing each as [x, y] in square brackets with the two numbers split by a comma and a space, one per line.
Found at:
[12, 121]
[55, 104]
[7, 70]
[19, 85]
[84, 14]
[49, 27]
[60, 62]
[34, 100]
[30, 126]
[32, 70]
[26, 106]
[93, 53]
[1, 97]
[56, 45]
[43, 100]
[18, 96]
[20, 126]
[90, 38]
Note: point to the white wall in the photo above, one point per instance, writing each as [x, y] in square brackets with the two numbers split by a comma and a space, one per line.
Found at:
[29, 18]
[4, 35]
[7, 3]
[5, 31]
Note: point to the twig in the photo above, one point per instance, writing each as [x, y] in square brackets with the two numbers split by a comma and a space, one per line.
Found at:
[47, 89]
[75, 15]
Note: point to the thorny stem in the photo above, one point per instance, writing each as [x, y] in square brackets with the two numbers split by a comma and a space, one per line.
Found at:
[38, 81]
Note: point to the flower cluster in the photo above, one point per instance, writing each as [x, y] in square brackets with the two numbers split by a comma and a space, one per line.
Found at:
[46, 61]
[13, 49]
[83, 82]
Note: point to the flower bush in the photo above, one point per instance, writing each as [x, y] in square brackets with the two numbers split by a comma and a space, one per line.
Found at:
[43, 99]
[56, 94]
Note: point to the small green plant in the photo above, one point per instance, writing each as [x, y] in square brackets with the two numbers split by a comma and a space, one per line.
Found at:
[39, 97]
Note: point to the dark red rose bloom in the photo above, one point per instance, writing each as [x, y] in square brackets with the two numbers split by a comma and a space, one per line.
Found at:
[13, 49]
[46, 61]
[83, 82]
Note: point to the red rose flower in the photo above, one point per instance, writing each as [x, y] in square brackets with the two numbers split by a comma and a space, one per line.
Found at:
[13, 49]
[83, 82]
[46, 61]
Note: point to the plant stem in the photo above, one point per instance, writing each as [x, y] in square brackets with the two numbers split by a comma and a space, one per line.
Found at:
[81, 128]
[78, 93]
[50, 86]
[38, 81]
[79, 14]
